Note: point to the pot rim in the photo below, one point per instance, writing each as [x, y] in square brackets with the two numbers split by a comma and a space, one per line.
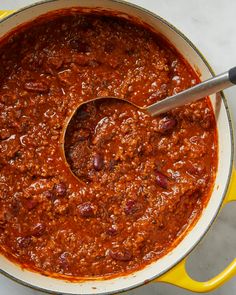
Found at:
[199, 53]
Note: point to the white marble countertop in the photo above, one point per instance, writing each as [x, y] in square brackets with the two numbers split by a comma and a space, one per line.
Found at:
[211, 26]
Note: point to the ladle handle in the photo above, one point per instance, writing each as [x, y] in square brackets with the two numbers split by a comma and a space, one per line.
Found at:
[194, 93]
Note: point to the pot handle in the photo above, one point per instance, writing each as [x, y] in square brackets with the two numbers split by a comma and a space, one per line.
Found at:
[178, 275]
[4, 13]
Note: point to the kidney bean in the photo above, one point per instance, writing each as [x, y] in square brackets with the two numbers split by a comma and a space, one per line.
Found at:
[98, 162]
[38, 230]
[63, 259]
[167, 124]
[111, 231]
[86, 210]
[162, 180]
[131, 207]
[36, 86]
[24, 242]
[121, 255]
[80, 46]
[31, 204]
[60, 189]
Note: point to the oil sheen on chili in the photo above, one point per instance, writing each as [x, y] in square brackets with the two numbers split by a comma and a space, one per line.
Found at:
[145, 181]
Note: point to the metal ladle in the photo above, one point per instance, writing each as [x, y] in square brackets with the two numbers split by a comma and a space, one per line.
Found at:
[205, 88]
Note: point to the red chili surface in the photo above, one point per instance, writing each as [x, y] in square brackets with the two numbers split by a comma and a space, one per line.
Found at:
[145, 180]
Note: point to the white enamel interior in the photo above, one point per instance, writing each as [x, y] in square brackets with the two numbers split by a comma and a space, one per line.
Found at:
[224, 168]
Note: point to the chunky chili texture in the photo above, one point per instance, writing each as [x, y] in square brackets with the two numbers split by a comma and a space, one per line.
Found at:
[145, 180]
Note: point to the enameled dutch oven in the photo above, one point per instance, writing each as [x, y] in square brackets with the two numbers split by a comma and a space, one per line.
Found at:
[170, 268]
